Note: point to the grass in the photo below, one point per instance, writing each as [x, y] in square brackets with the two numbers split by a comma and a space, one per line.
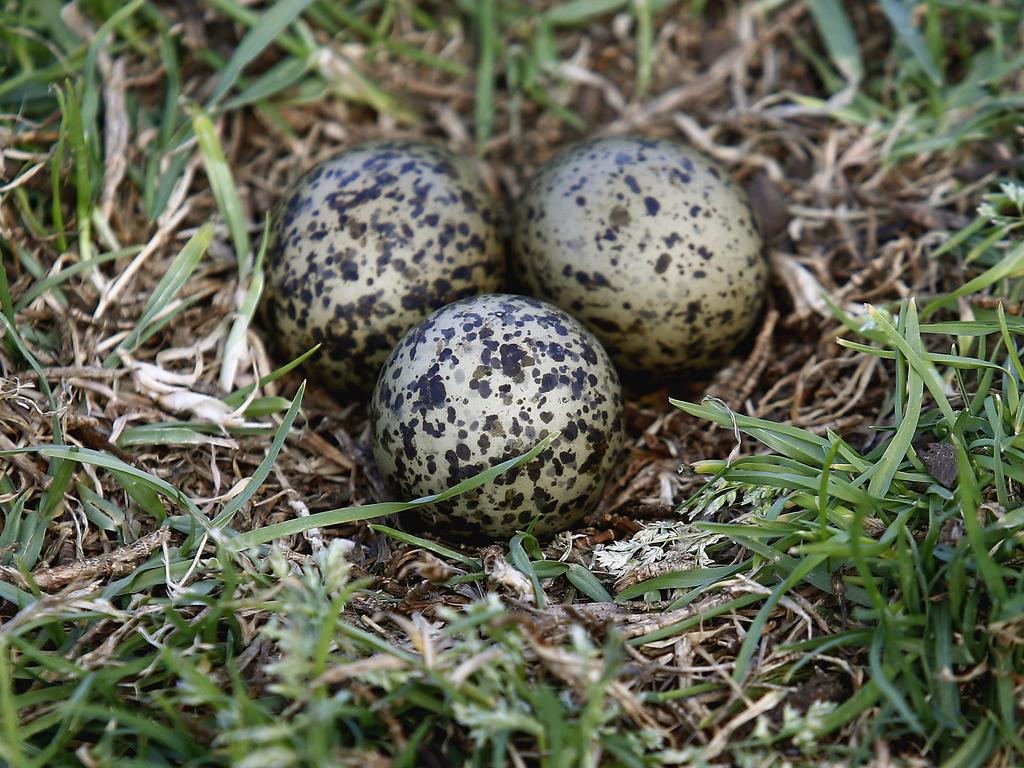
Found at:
[939, 581]
[195, 567]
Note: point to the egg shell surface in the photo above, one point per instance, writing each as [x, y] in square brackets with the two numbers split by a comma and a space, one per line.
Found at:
[650, 243]
[482, 381]
[367, 245]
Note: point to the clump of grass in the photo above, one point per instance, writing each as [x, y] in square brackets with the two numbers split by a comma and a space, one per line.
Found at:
[918, 536]
[458, 691]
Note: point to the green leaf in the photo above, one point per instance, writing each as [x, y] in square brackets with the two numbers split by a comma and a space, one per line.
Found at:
[790, 441]
[12, 749]
[166, 434]
[278, 78]
[681, 626]
[35, 524]
[6, 304]
[101, 512]
[72, 106]
[927, 371]
[644, 44]
[52, 281]
[265, 406]
[975, 750]
[12, 333]
[880, 676]
[106, 461]
[235, 344]
[236, 398]
[12, 526]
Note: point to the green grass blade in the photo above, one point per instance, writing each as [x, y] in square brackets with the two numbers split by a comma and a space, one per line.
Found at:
[1011, 265]
[266, 406]
[236, 398]
[232, 507]
[156, 190]
[52, 281]
[925, 370]
[371, 511]
[520, 560]
[644, 45]
[753, 636]
[697, 577]
[587, 583]
[179, 272]
[427, 544]
[896, 450]
[164, 434]
[11, 747]
[12, 526]
[70, 101]
[574, 12]
[975, 750]
[6, 303]
[790, 441]
[106, 461]
[880, 677]
[235, 344]
[899, 14]
[833, 24]
[969, 498]
[224, 190]
[11, 333]
[679, 627]
[280, 77]
[101, 512]
[487, 24]
[263, 33]
[35, 525]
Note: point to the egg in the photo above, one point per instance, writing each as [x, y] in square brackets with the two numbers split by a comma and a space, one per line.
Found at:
[484, 380]
[651, 244]
[367, 245]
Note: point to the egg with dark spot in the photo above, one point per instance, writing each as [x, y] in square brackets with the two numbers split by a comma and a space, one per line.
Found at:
[648, 242]
[367, 245]
[484, 380]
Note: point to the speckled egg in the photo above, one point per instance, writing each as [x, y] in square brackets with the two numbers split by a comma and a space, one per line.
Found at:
[367, 245]
[648, 242]
[482, 381]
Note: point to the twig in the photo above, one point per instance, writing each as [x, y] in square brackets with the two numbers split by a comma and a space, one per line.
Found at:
[114, 564]
[74, 371]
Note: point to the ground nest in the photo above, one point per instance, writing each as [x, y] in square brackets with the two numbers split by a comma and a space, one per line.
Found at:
[124, 163]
